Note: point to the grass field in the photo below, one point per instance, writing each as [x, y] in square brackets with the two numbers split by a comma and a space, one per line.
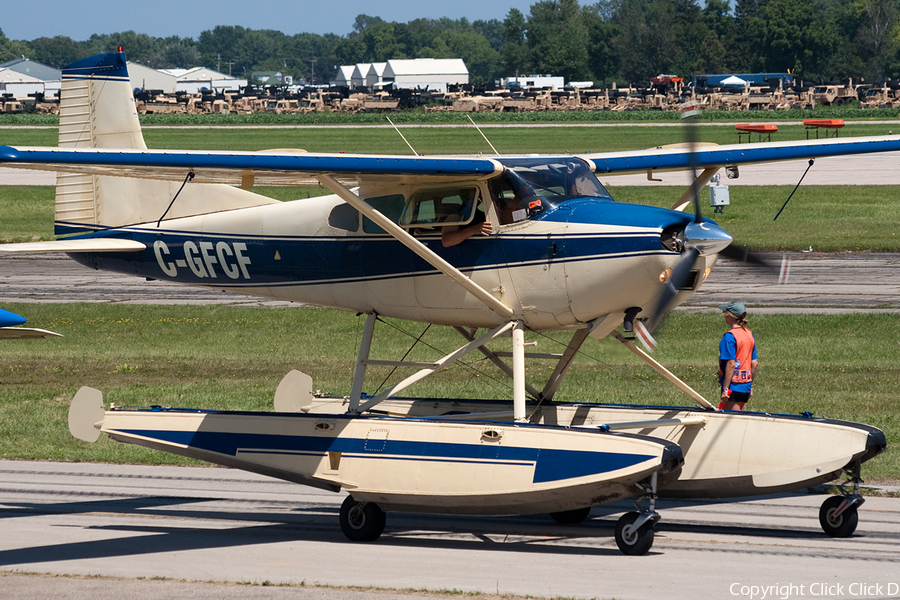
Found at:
[839, 366]
[419, 116]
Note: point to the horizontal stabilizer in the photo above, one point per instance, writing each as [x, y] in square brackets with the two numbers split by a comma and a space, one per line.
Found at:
[79, 245]
[25, 333]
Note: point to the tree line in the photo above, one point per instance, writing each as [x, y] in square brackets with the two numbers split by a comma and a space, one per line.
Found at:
[627, 41]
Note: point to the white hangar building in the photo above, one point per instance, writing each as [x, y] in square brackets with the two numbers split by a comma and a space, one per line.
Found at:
[375, 76]
[434, 73]
[145, 78]
[19, 85]
[358, 79]
[23, 76]
[345, 75]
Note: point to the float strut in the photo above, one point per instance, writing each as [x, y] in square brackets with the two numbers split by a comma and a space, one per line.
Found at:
[650, 513]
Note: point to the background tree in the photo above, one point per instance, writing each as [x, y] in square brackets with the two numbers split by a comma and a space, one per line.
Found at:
[10, 50]
[55, 52]
[557, 39]
[515, 52]
[877, 21]
[628, 41]
[646, 43]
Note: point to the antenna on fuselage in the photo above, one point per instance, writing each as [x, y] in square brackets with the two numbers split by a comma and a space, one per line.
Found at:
[401, 135]
[482, 135]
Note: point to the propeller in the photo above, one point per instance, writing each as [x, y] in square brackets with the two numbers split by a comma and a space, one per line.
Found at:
[744, 254]
[680, 274]
[700, 237]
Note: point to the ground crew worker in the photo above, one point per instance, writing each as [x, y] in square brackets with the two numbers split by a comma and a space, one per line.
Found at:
[737, 358]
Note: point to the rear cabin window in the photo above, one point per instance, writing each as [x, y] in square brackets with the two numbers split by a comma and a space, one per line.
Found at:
[390, 206]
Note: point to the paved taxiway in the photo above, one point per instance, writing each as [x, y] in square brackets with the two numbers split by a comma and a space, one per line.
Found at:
[219, 525]
[846, 282]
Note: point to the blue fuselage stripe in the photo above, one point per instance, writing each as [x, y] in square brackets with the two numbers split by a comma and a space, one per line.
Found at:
[241, 260]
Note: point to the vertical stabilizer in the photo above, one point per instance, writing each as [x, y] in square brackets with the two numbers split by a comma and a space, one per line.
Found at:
[96, 107]
[97, 110]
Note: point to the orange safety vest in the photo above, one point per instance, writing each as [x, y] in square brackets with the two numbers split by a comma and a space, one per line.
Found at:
[743, 373]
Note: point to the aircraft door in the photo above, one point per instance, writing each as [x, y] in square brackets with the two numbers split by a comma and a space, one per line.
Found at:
[534, 252]
[440, 215]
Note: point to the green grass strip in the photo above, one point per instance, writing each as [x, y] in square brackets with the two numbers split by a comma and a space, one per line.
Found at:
[219, 357]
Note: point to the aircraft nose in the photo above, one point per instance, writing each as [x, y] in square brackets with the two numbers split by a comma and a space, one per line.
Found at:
[706, 237]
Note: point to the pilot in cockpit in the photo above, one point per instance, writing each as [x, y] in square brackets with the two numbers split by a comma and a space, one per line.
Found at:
[451, 235]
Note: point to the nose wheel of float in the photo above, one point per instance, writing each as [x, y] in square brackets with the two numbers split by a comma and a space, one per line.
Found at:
[839, 515]
[634, 530]
[361, 521]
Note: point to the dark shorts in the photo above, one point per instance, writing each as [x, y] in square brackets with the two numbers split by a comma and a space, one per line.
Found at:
[739, 397]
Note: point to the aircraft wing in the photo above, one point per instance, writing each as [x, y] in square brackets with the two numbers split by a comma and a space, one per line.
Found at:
[676, 159]
[9, 331]
[25, 333]
[301, 168]
[262, 168]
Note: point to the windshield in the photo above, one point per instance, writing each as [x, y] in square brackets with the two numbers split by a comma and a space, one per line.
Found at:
[529, 186]
[554, 177]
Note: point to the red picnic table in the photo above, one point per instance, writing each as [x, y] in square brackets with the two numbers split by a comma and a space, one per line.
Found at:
[758, 128]
[825, 124]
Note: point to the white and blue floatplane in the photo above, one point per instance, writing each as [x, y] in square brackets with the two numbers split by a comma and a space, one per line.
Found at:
[490, 246]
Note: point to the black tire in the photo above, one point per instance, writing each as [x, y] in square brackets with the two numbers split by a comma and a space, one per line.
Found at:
[840, 526]
[571, 517]
[638, 542]
[361, 521]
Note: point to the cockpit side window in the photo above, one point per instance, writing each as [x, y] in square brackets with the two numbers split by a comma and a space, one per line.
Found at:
[512, 196]
[440, 207]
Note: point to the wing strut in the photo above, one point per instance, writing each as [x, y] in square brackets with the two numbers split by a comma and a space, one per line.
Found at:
[687, 198]
[495, 357]
[426, 369]
[402, 236]
[563, 361]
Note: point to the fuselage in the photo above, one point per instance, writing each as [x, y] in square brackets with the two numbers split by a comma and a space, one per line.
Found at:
[574, 262]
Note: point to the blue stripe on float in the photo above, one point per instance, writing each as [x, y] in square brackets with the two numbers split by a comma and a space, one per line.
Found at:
[549, 464]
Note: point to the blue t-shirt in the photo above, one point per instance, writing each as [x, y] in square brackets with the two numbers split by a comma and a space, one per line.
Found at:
[728, 351]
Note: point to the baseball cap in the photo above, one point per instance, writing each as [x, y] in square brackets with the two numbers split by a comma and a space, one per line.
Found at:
[734, 307]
